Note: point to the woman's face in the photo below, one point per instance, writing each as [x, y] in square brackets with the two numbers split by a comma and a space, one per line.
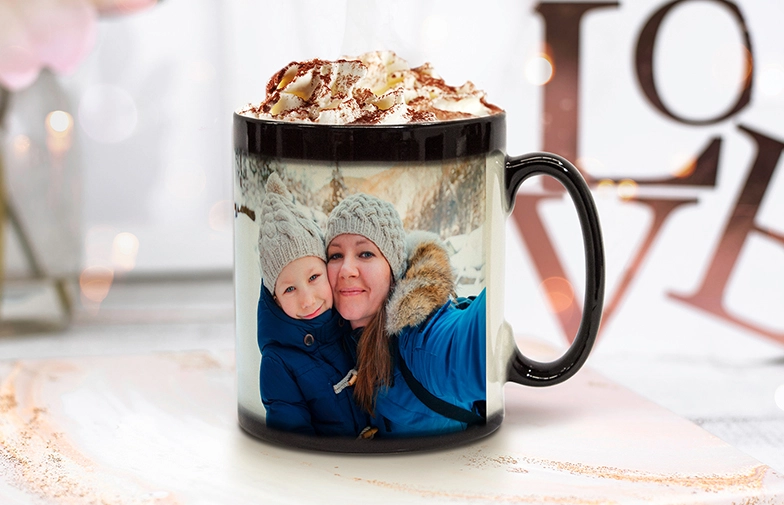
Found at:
[360, 278]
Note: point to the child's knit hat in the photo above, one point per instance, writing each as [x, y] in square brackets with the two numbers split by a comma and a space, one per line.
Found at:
[375, 219]
[286, 233]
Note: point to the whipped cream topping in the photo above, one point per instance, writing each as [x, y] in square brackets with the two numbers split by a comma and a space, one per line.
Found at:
[374, 88]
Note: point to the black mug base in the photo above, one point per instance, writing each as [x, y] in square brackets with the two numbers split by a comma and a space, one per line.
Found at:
[257, 428]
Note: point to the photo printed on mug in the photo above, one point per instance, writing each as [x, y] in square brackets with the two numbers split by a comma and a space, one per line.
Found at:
[360, 292]
[371, 201]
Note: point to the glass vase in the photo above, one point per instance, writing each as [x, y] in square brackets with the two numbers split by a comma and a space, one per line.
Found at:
[40, 208]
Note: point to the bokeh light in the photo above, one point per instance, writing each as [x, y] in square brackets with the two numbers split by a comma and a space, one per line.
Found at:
[683, 164]
[605, 188]
[59, 121]
[778, 397]
[125, 248]
[539, 70]
[107, 113]
[95, 283]
[21, 144]
[221, 215]
[627, 189]
[559, 292]
[731, 64]
[59, 126]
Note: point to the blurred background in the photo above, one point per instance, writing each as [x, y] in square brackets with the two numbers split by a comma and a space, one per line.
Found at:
[119, 169]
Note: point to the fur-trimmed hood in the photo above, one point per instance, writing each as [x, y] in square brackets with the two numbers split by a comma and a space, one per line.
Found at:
[428, 283]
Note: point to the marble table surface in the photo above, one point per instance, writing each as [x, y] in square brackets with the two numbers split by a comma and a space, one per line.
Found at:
[136, 404]
[161, 428]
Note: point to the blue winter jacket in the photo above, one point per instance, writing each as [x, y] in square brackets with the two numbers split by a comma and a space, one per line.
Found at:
[443, 345]
[446, 354]
[301, 363]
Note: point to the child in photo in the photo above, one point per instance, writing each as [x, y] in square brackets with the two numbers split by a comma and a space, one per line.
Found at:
[306, 374]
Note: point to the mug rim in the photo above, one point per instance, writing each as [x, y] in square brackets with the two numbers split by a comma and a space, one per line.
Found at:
[425, 141]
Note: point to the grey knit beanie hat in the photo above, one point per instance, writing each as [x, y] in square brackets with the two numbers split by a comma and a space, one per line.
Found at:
[375, 219]
[286, 233]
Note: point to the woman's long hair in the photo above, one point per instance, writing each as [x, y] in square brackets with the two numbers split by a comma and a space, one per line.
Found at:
[374, 361]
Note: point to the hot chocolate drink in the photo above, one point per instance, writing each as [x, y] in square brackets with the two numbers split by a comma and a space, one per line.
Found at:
[374, 88]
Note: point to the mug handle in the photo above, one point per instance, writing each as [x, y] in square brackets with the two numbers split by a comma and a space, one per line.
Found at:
[522, 369]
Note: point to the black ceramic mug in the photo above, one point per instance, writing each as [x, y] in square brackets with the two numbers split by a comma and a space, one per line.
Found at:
[411, 218]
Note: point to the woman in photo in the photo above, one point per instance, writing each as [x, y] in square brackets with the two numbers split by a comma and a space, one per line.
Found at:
[420, 352]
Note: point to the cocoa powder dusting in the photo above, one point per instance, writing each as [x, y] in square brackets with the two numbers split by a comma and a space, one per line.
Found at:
[448, 115]
[38, 460]
[369, 117]
[7, 402]
[493, 108]
[360, 91]
[362, 95]
[420, 116]
[423, 74]
[748, 479]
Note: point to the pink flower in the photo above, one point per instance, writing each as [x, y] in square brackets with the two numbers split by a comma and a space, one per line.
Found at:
[57, 34]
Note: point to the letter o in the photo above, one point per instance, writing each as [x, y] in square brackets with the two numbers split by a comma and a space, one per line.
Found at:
[644, 64]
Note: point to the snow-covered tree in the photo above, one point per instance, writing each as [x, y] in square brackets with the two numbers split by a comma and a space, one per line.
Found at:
[338, 190]
[251, 173]
[457, 205]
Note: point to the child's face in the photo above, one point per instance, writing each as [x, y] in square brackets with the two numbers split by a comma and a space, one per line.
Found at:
[302, 289]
